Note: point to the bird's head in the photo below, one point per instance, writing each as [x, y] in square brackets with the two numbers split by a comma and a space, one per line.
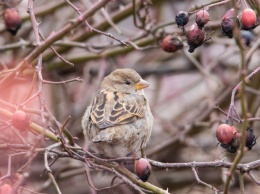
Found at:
[124, 80]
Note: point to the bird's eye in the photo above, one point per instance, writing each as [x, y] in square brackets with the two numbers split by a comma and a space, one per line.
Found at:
[127, 82]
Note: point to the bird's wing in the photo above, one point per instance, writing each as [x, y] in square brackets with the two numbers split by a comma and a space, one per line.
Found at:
[116, 108]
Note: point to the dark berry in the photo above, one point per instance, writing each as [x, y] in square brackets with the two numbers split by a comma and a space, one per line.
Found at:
[229, 148]
[250, 138]
[247, 37]
[202, 18]
[171, 44]
[235, 143]
[195, 37]
[12, 20]
[182, 18]
[228, 23]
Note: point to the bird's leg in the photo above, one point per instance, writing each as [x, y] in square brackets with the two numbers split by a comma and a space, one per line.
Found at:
[142, 153]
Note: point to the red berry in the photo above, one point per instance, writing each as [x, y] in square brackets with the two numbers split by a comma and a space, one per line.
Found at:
[171, 43]
[234, 130]
[143, 169]
[12, 20]
[202, 17]
[228, 23]
[248, 19]
[196, 37]
[225, 133]
[20, 120]
[6, 189]
[182, 18]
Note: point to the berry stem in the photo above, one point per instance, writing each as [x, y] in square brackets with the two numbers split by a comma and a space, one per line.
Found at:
[207, 6]
[245, 4]
[232, 101]
[241, 86]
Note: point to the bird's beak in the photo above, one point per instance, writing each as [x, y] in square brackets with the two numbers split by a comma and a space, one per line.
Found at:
[141, 84]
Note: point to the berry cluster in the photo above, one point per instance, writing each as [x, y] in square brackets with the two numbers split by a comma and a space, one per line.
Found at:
[247, 21]
[230, 139]
[196, 35]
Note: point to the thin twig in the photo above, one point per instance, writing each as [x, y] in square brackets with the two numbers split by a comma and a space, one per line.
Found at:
[93, 29]
[234, 91]
[47, 167]
[202, 182]
[243, 102]
[78, 79]
[242, 183]
[253, 178]
[54, 50]
[102, 189]
[38, 68]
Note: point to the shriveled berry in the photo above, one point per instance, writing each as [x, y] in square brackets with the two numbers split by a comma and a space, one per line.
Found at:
[20, 120]
[235, 143]
[225, 133]
[202, 18]
[12, 20]
[6, 189]
[143, 169]
[195, 37]
[228, 23]
[248, 19]
[250, 138]
[229, 147]
[171, 43]
[182, 18]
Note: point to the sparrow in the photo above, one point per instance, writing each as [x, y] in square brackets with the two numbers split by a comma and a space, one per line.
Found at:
[119, 120]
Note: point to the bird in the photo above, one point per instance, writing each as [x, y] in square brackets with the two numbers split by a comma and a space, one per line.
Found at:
[119, 121]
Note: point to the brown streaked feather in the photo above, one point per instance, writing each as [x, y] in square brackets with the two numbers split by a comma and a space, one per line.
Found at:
[116, 108]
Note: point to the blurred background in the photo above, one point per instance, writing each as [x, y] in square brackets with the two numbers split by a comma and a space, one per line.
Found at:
[184, 89]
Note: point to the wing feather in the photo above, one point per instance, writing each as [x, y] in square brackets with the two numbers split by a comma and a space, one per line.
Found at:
[115, 108]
